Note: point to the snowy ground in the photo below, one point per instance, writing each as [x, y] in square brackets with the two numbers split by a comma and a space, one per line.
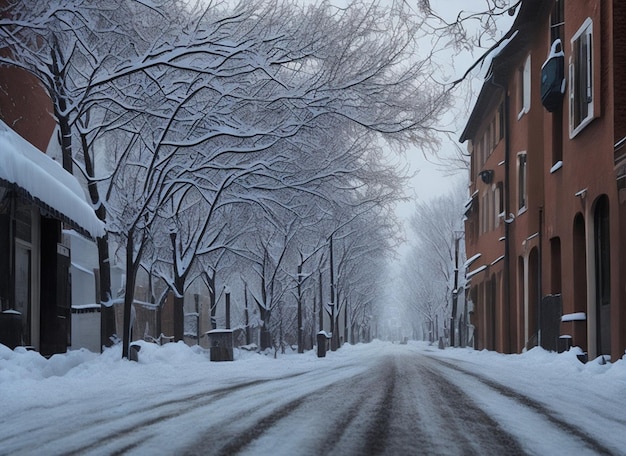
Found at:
[84, 403]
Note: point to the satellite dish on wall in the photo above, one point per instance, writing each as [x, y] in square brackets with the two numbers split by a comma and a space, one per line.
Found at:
[553, 78]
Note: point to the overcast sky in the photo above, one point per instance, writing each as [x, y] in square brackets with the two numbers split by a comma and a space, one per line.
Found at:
[429, 179]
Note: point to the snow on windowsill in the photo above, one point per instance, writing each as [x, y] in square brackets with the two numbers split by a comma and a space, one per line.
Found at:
[471, 260]
[497, 260]
[11, 312]
[219, 331]
[576, 316]
[558, 165]
[469, 275]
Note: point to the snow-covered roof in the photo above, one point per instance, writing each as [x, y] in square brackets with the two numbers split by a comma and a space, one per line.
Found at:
[496, 52]
[45, 181]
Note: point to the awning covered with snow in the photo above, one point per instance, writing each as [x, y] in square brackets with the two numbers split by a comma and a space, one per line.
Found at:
[43, 180]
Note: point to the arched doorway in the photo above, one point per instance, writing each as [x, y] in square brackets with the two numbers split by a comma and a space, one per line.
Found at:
[491, 299]
[579, 265]
[602, 262]
[533, 298]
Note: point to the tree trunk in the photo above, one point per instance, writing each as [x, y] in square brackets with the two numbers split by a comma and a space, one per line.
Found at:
[59, 99]
[129, 294]
[281, 334]
[321, 314]
[107, 310]
[179, 311]
[179, 296]
[266, 336]
[247, 316]
[212, 299]
[299, 323]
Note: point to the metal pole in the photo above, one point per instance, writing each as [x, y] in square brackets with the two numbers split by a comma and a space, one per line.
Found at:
[333, 343]
[454, 292]
[227, 293]
[300, 342]
[321, 315]
[196, 298]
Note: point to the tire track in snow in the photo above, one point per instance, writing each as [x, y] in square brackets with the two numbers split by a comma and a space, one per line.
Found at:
[377, 433]
[270, 414]
[122, 439]
[552, 417]
[398, 406]
[108, 427]
[196, 400]
[440, 418]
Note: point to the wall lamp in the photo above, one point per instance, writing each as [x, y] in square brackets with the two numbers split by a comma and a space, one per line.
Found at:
[486, 176]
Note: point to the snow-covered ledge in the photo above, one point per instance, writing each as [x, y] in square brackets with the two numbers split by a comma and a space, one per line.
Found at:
[45, 180]
[471, 260]
[576, 316]
[558, 165]
[471, 274]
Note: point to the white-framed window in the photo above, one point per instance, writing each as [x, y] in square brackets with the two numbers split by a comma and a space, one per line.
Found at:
[581, 78]
[522, 173]
[524, 88]
[497, 204]
[491, 208]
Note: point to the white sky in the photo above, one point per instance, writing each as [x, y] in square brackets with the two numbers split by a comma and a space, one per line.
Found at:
[430, 180]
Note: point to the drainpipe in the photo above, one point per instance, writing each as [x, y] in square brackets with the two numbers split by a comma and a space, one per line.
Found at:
[507, 210]
[540, 276]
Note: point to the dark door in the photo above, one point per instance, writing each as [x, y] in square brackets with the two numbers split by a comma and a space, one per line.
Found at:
[603, 276]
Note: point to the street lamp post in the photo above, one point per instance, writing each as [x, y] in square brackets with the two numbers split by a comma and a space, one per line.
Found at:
[455, 293]
[300, 342]
[227, 295]
[333, 326]
[196, 298]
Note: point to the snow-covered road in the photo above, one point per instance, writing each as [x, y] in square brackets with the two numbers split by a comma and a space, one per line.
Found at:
[378, 398]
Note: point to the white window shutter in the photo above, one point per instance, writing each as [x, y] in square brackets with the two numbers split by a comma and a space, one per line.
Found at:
[572, 90]
[527, 85]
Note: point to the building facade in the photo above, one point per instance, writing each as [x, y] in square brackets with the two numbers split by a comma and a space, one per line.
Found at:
[37, 198]
[545, 224]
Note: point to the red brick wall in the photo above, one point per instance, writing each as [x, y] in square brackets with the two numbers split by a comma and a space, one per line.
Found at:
[19, 93]
[619, 66]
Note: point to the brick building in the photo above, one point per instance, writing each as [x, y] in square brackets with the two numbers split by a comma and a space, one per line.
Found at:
[547, 216]
[37, 198]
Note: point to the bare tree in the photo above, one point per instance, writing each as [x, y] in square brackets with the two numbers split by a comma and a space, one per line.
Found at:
[428, 275]
[226, 111]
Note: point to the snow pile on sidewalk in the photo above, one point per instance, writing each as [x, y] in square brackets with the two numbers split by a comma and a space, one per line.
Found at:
[36, 392]
[539, 361]
[20, 365]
